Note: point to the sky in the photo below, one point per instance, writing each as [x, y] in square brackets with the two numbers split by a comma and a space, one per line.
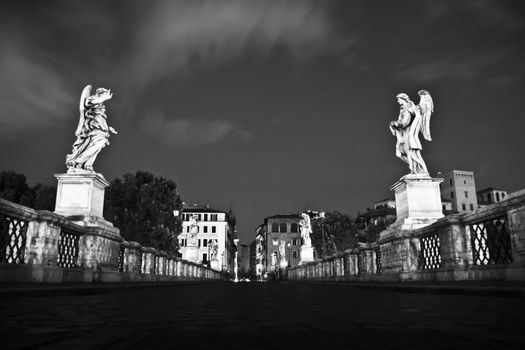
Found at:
[267, 107]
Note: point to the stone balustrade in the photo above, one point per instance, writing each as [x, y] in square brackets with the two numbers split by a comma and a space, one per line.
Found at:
[41, 246]
[488, 243]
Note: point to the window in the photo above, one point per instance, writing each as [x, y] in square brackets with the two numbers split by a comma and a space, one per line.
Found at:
[204, 242]
[502, 195]
[204, 258]
[205, 229]
[213, 229]
[282, 227]
[293, 227]
[489, 197]
[466, 194]
[187, 229]
[452, 194]
[450, 180]
[497, 196]
[472, 207]
[464, 182]
[463, 206]
[213, 217]
[294, 254]
[275, 227]
[198, 217]
[294, 242]
[199, 243]
[444, 207]
[205, 217]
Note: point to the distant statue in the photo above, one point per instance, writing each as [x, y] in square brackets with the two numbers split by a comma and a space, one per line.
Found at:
[274, 258]
[282, 250]
[92, 132]
[214, 247]
[411, 121]
[193, 231]
[306, 229]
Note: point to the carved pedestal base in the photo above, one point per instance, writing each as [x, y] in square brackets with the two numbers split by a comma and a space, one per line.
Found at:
[215, 264]
[80, 197]
[80, 194]
[307, 254]
[191, 253]
[283, 264]
[418, 201]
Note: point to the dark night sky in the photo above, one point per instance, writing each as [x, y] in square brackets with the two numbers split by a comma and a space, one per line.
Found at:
[268, 106]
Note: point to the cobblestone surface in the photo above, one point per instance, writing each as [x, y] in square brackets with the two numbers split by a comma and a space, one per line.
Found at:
[262, 316]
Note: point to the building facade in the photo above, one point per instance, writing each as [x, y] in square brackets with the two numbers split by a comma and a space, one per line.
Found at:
[260, 254]
[214, 241]
[491, 195]
[459, 187]
[283, 242]
[243, 260]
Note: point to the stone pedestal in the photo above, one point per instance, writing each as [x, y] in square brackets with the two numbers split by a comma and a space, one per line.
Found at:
[215, 264]
[418, 201]
[191, 253]
[80, 194]
[307, 254]
[283, 264]
[80, 197]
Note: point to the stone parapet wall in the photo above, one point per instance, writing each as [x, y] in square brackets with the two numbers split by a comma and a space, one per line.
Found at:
[488, 243]
[41, 246]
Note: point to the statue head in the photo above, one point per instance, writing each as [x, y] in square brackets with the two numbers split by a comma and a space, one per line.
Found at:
[403, 98]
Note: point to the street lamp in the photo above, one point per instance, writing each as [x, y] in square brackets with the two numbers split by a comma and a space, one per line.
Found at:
[322, 217]
[288, 244]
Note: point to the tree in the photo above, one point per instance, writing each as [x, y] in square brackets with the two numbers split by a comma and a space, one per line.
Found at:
[335, 233]
[44, 197]
[141, 205]
[14, 188]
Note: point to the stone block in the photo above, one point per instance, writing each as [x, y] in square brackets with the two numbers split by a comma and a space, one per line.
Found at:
[80, 194]
[307, 254]
[418, 201]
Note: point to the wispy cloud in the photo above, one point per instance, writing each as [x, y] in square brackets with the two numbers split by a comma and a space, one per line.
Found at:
[505, 15]
[33, 94]
[192, 133]
[179, 37]
[465, 67]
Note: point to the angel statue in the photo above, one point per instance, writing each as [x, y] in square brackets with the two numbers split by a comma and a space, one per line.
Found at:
[411, 121]
[193, 231]
[92, 132]
[213, 246]
[306, 229]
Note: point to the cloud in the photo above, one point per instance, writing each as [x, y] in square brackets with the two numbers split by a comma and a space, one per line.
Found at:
[466, 67]
[32, 94]
[179, 37]
[192, 133]
[506, 15]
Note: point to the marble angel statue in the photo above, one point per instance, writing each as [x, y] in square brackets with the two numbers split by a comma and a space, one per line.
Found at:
[193, 231]
[306, 229]
[92, 131]
[413, 119]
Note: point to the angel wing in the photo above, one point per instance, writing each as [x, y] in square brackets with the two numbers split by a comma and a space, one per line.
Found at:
[426, 106]
[82, 108]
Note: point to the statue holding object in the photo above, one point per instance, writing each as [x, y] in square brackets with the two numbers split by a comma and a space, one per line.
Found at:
[306, 229]
[411, 121]
[92, 132]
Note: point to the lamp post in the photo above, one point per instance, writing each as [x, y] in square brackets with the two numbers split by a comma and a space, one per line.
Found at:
[288, 244]
[322, 217]
[176, 214]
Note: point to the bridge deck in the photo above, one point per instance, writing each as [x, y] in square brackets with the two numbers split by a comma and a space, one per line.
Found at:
[262, 316]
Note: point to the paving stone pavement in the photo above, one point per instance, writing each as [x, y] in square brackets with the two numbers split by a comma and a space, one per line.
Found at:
[262, 316]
